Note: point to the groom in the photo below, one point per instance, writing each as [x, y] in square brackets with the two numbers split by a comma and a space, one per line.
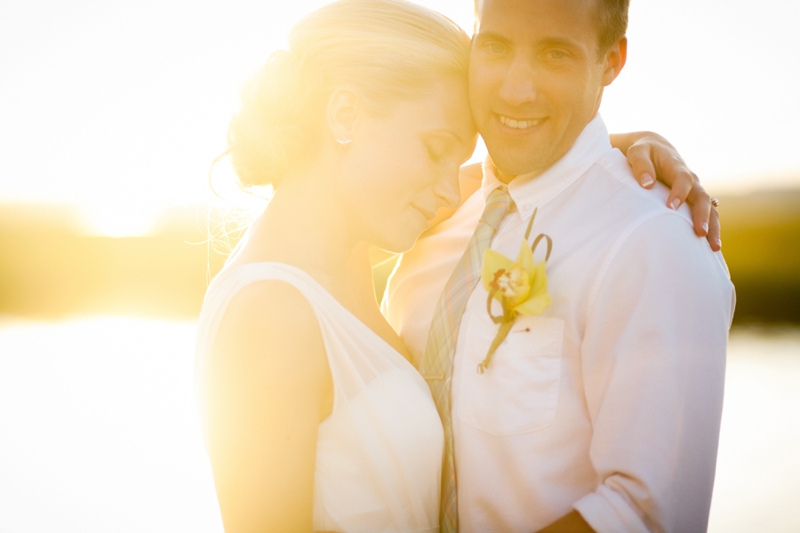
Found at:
[602, 412]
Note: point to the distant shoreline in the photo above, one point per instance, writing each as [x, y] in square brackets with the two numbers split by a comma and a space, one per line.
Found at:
[50, 267]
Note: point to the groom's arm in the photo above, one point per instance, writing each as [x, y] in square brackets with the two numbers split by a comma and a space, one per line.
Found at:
[653, 362]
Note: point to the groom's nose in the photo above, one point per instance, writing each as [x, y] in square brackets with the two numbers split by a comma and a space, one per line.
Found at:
[519, 86]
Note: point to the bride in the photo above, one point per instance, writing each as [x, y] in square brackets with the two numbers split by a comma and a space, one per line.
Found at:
[314, 418]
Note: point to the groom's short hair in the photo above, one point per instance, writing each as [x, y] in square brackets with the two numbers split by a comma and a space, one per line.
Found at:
[612, 24]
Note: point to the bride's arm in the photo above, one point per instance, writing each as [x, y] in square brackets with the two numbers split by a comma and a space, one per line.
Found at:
[268, 387]
[651, 155]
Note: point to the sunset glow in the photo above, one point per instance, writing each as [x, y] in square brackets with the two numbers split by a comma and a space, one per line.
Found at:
[116, 212]
[118, 220]
[128, 104]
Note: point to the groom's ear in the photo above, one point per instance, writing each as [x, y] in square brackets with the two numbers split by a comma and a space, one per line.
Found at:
[614, 61]
[342, 113]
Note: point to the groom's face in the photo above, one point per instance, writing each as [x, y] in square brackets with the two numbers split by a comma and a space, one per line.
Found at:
[536, 79]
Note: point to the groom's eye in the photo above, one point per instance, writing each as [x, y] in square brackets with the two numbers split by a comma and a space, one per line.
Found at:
[494, 48]
[556, 54]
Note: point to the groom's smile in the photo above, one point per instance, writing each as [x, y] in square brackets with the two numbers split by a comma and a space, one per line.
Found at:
[520, 124]
[536, 78]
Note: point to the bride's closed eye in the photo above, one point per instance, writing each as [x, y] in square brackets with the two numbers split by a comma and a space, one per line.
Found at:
[445, 145]
[437, 148]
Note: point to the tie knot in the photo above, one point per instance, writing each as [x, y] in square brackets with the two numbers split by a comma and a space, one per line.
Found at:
[497, 205]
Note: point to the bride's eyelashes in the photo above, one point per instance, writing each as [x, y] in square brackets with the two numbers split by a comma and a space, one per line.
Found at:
[439, 147]
[444, 145]
[436, 150]
[434, 155]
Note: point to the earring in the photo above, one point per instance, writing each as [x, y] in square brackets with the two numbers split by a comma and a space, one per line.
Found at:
[344, 143]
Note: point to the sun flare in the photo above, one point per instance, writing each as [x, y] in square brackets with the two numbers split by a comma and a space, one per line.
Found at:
[118, 220]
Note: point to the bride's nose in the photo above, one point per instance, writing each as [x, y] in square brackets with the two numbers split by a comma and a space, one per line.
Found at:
[448, 190]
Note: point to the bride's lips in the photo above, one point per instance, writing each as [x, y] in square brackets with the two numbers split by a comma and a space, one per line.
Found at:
[519, 125]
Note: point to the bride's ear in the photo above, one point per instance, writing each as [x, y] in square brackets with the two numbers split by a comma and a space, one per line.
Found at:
[342, 113]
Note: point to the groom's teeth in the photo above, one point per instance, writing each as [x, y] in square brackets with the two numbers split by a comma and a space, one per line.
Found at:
[518, 124]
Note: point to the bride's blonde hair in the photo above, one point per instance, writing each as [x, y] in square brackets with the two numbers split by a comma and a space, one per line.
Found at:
[387, 50]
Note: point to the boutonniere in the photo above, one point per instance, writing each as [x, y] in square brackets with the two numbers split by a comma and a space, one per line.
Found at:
[520, 286]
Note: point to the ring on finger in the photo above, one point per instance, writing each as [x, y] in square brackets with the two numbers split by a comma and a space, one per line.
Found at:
[715, 202]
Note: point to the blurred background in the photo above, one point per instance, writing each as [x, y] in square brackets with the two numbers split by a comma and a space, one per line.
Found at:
[111, 114]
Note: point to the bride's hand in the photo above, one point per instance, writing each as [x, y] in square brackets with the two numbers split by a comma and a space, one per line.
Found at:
[651, 156]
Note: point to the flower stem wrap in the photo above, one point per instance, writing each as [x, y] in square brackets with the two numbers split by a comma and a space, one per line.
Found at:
[502, 333]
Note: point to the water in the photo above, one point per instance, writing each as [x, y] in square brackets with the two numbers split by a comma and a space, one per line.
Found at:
[98, 431]
[758, 467]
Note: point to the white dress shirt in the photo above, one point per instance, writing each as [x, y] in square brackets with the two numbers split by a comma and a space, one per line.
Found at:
[610, 402]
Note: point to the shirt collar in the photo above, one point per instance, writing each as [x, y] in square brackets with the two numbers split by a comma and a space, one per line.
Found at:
[529, 191]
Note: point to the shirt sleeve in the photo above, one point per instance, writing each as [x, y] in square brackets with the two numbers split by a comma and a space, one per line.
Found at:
[653, 364]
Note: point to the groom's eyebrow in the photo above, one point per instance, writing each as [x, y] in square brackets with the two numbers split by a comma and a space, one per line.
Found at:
[544, 42]
[557, 42]
[490, 35]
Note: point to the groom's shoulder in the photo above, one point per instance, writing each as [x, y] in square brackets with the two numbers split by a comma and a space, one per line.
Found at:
[627, 204]
[621, 215]
[631, 219]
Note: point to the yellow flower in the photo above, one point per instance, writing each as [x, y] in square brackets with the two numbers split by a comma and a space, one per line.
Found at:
[520, 286]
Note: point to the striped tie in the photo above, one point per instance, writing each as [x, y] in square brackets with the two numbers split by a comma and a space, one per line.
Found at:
[437, 365]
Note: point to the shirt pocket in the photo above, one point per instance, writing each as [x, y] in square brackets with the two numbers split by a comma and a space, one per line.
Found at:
[518, 393]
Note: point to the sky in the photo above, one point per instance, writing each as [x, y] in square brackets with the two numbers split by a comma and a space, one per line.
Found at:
[120, 107]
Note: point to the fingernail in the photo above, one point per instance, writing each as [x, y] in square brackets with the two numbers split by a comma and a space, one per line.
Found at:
[675, 204]
[705, 226]
[647, 180]
[719, 243]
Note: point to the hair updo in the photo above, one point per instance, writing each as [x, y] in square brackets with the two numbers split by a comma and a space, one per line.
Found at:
[387, 50]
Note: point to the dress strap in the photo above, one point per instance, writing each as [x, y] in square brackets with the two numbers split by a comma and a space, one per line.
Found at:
[356, 354]
[227, 284]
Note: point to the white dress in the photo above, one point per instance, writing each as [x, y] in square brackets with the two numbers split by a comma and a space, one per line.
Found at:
[379, 453]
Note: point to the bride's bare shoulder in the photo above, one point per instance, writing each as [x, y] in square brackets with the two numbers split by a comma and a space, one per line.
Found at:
[269, 326]
[268, 387]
